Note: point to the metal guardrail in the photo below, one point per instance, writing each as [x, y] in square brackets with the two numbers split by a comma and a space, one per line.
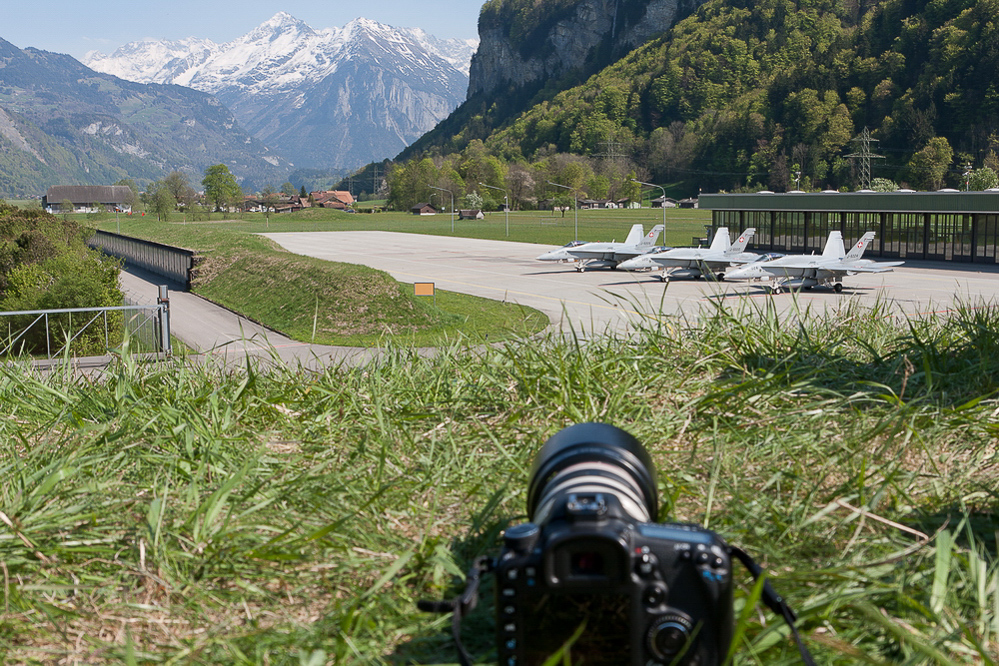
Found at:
[50, 333]
[171, 262]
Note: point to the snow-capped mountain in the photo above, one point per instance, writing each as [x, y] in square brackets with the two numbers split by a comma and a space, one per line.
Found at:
[333, 98]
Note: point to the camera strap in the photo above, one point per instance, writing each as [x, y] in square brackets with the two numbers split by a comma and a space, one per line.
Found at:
[774, 601]
[461, 605]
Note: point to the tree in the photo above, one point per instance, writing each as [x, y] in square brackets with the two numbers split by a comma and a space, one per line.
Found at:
[929, 165]
[161, 200]
[474, 201]
[288, 189]
[630, 189]
[221, 188]
[983, 179]
[179, 188]
[883, 185]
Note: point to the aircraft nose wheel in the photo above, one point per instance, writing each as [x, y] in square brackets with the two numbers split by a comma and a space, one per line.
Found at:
[838, 288]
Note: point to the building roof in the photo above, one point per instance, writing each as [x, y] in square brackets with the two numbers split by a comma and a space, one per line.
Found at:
[323, 196]
[862, 202]
[88, 194]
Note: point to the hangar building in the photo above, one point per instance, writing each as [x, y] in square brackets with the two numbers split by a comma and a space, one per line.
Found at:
[944, 226]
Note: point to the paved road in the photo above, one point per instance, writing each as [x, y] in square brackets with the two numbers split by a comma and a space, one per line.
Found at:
[216, 333]
[600, 300]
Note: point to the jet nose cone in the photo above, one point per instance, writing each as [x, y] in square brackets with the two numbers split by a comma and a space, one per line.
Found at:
[634, 264]
[744, 273]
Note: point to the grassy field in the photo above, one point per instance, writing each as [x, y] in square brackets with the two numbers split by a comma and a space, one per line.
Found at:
[346, 304]
[170, 514]
[542, 227]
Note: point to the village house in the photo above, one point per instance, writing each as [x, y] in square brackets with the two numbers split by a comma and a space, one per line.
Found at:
[336, 199]
[423, 209]
[664, 202]
[88, 198]
[475, 214]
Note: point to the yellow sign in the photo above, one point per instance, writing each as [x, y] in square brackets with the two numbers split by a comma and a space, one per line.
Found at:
[424, 288]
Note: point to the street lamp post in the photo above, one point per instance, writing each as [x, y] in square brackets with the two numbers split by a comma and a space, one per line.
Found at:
[506, 204]
[575, 210]
[664, 203]
[452, 203]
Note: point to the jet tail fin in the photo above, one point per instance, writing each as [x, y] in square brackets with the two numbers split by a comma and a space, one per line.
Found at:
[721, 240]
[858, 250]
[739, 246]
[650, 238]
[834, 246]
[635, 235]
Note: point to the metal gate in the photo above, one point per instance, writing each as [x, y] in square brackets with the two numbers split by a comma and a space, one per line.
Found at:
[86, 331]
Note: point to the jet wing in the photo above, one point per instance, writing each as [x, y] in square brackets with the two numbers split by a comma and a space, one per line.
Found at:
[597, 255]
[866, 267]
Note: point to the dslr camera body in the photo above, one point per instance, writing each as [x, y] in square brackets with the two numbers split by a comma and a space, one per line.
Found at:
[591, 569]
[594, 576]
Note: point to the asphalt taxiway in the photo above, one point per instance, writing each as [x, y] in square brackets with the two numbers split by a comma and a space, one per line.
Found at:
[601, 300]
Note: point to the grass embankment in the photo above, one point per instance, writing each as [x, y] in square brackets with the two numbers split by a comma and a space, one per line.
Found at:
[327, 302]
[347, 304]
[178, 514]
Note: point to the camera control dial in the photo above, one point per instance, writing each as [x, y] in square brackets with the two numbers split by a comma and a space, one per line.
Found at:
[668, 636]
[521, 538]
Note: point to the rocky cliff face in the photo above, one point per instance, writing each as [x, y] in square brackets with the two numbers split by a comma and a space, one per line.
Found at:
[589, 33]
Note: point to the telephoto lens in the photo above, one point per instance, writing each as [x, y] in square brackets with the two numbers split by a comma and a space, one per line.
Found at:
[589, 458]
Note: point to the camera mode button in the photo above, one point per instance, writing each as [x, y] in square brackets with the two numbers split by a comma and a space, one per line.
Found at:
[654, 595]
[646, 565]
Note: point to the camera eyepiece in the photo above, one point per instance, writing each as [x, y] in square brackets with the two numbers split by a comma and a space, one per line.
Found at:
[592, 458]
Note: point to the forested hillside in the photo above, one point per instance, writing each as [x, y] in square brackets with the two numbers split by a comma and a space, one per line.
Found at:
[61, 122]
[745, 94]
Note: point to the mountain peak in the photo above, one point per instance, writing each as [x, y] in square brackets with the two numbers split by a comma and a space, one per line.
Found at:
[281, 23]
[282, 20]
[325, 97]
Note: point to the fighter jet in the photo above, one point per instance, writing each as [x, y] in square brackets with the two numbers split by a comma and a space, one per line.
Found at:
[561, 254]
[695, 261]
[804, 271]
[609, 255]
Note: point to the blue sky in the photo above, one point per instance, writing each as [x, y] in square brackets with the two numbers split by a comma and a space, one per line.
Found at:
[76, 27]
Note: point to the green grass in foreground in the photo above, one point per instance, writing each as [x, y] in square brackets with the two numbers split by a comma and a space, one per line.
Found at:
[179, 514]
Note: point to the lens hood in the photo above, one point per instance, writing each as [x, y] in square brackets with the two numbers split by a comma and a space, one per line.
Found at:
[599, 443]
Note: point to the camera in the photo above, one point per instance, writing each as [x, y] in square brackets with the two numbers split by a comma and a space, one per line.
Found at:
[593, 574]
[593, 580]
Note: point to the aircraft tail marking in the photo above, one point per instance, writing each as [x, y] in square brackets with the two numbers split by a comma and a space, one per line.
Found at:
[858, 250]
[650, 238]
[739, 246]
